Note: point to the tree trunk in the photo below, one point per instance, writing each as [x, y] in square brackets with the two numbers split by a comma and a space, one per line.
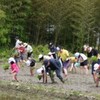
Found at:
[37, 36]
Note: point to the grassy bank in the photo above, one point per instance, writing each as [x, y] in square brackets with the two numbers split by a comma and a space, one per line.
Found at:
[25, 91]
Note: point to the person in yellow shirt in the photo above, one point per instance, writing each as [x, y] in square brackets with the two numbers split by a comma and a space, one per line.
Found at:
[63, 54]
[72, 61]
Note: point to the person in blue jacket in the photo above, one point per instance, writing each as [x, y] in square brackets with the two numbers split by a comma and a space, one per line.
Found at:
[53, 49]
[52, 65]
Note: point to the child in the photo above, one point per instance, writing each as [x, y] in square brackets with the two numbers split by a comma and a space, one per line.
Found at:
[97, 73]
[14, 68]
[31, 63]
[41, 72]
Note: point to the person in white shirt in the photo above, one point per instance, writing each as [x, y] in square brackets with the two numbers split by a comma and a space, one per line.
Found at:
[83, 60]
[41, 71]
[18, 42]
[31, 63]
[29, 50]
[16, 50]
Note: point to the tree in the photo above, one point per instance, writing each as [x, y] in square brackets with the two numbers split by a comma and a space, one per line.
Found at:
[3, 30]
[79, 23]
[16, 13]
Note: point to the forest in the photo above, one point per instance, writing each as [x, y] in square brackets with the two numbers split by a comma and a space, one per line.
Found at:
[70, 23]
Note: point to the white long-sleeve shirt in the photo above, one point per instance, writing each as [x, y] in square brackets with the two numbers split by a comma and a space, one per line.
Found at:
[29, 48]
[17, 44]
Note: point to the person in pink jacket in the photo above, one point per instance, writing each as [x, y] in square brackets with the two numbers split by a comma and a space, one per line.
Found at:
[14, 69]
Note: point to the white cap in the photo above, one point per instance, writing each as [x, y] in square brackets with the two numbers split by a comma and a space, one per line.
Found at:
[58, 48]
[96, 66]
[11, 59]
[25, 44]
[50, 53]
[40, 56]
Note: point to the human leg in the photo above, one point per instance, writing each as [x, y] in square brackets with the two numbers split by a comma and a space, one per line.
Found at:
[86, 69]
[15, 76]
[97, 80]
[31, 71]
[65, 72]
[44, 75]
[51, 76]
[58, 73]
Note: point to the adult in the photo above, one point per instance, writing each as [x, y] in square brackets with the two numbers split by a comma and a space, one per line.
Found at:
[52, 65]
[21, 50]
[42, 70]
[17, 44]
[16, 50]
[92, 54]
[63, 54]
[29, 50]
[52, 49]
[83, 60]
[97, 73]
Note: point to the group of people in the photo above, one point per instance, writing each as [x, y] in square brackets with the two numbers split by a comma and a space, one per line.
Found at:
[22, 53]
[58, 61]
[94, 58]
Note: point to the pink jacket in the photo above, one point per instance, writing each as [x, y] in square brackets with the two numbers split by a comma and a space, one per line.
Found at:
[14, 68]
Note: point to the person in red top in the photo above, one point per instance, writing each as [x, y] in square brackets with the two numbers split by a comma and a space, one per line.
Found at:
[21, 50]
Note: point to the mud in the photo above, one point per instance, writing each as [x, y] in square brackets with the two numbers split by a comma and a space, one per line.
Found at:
[76, 87]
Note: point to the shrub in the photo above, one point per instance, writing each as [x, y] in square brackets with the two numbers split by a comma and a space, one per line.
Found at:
[5, 53]
[5, 66]
[40, 49]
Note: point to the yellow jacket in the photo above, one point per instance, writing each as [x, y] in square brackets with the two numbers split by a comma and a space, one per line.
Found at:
[63, 54]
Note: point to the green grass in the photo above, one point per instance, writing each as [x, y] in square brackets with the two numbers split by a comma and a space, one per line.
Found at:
[5, 66]
[40, 49]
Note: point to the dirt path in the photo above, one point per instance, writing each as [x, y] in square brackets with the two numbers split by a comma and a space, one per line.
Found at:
[75, 82]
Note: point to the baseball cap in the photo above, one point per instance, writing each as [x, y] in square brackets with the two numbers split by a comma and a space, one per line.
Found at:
[40, 56]
[50, 43]
[58, 48]
[25, 44]
[50, 53]
[76, 54]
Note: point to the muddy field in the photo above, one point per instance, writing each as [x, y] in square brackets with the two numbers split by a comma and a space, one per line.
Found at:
[77, 87]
